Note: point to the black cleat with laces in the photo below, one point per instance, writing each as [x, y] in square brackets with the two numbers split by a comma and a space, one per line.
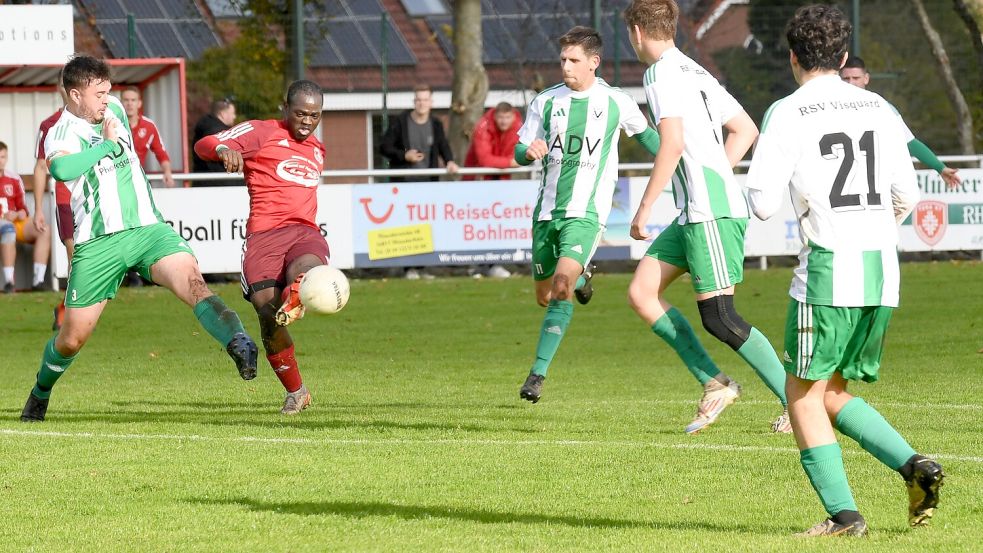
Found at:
[586, 292]
[533, 388]
[244, 352]
[923, 489]
[34, 409]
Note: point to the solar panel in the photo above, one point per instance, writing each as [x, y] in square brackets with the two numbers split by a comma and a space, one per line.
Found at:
[161, 39]
[363, 7]
[323, 54]
[351, 44]
[181, 9]
[531, 42]
[416, 8]
[499, 46]
[197, 36]
[509, 7]
[142, 9]
[438, 25]
[397, 50]
[117, 40]
[104, 9]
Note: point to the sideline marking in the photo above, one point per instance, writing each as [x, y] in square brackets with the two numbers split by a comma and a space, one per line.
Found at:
[423, 441]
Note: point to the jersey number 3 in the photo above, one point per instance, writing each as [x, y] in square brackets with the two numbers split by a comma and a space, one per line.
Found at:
[837, 199]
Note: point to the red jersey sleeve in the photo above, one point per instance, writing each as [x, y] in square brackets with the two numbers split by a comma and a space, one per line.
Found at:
[155, 143]
[484, 136]
[246, 138]
[18, 199]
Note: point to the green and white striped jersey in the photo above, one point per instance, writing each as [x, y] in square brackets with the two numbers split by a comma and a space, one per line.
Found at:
[841, 151]
[582, 130]
[114, 194]
[703, 185]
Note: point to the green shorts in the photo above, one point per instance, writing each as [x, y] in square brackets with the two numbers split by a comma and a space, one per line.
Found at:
[551, 240]
[99, 265]
[822, 339]
[712, 252]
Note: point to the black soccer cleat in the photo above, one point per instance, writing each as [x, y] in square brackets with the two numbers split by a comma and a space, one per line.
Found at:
[923, 489]
[34, 409]
[244, 352]
[533, 388]
[586, 292]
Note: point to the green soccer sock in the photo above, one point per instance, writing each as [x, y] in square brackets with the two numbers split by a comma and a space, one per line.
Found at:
[824, 467]
[53, 365]
[677, 332]
[758, 353]
[581, 281]
[869, 429]
[220, 321]
[558, 315]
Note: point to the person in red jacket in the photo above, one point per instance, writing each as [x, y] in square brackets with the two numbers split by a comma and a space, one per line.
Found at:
[282, 161]
[494, 140]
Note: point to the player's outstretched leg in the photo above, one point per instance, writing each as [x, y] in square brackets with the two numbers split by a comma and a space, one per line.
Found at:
[178, 271]
[58, 355]
[651, 278]
[555, 295]
[822, 459]
[722, 321]
[856, 419]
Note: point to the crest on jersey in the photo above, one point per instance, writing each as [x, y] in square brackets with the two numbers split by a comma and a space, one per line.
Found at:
[8, 190]
[142, 133]
[317, 155]
[930, 219]
[299, 170]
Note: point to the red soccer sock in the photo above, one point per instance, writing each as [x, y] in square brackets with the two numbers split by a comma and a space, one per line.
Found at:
[285, 367]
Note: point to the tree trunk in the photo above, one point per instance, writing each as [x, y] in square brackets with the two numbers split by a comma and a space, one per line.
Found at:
[470, 81]
[971, 12]
[964, 121]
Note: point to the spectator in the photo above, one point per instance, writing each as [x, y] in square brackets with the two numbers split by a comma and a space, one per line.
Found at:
[63, 201]
[415, 139]
[146, 136]
[14, 228]
[494, 139]
[221, 117]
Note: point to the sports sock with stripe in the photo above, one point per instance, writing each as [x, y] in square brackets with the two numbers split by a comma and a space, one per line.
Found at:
[53, 365]
[824, 467]
[581, 281]
[285, 367]
[867, 427]
[558, 315]
[758, 353]
[677, 332]
[220, 321]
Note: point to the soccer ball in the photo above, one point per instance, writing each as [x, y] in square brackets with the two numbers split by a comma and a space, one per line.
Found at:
[324, 289]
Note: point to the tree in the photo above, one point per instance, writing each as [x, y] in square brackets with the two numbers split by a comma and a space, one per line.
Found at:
[971, 12]
[964, 119]
[470, 86]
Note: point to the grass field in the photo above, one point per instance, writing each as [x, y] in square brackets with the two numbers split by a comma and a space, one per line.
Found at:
[417, 440]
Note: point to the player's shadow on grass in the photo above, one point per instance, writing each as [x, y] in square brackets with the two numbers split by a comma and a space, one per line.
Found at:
[367, 509]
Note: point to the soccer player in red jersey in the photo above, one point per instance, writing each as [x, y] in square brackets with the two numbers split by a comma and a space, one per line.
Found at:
[146, 136]
[282, 162]
[63, 202]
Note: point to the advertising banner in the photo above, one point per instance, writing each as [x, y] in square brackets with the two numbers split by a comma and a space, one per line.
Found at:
[946, 218]
[36, 34]
[457, 223]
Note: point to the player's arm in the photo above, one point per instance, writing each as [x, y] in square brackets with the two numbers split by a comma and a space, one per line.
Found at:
[649, 139]
[532, 146]
[666, 160]
[635, 125]
[920, 151]
[231, 146]
[742, 133]
[772, 167]
[40, 184]
[160, 152]
[66, 166]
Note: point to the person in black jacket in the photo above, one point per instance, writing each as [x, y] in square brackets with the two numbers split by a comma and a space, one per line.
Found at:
[415, 139]
[221, 117]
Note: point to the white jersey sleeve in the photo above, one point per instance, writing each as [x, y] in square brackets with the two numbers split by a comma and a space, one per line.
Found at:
[532, 127]
[632, 120]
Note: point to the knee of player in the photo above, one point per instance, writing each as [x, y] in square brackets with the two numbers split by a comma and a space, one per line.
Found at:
[69, 344]
[562, 290]
[722, 321]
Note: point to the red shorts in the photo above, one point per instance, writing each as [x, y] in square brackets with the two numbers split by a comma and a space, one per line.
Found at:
[266, 255]
[66, 222]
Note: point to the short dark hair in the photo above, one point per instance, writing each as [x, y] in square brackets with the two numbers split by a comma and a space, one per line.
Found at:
[818, 35]
[304, 87]
[422, 87]
[585, 37]
[3, 146]
[219, 106]
[855, 62]
[504, 107]
[658, 18]
[132, 88]
[82, 70]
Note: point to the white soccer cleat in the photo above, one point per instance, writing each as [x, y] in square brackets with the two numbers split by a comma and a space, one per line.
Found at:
[716, 398]
[295, 402]
[783, 424]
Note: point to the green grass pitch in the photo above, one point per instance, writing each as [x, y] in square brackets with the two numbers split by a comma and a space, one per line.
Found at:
[417, 440]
